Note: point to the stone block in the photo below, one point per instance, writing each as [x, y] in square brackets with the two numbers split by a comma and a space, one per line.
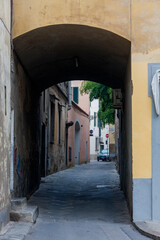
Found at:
[18, 203]
[28, 214]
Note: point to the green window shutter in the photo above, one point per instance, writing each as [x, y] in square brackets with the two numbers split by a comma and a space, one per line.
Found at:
[75, 94]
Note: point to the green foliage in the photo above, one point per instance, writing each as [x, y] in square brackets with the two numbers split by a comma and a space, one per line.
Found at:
[104, 94]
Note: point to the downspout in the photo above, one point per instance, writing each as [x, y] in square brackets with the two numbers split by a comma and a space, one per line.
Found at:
[69, 96]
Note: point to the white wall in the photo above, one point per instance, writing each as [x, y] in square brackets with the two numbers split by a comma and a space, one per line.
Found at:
[94, 107]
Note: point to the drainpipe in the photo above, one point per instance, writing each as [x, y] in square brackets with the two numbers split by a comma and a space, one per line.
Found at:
[69, 96]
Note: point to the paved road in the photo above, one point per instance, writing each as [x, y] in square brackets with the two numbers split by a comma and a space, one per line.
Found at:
[84, 202]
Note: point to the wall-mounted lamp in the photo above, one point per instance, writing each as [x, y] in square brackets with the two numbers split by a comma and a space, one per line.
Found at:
[76, 62]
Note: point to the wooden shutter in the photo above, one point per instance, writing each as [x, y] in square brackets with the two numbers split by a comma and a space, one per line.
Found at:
[75, 94]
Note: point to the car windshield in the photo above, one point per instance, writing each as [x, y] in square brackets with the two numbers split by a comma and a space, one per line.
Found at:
[105, 152]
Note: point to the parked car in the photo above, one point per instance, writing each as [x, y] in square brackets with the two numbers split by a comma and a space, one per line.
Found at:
[103, 155]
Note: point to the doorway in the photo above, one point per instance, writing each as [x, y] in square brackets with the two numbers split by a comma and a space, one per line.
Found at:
[77, 143]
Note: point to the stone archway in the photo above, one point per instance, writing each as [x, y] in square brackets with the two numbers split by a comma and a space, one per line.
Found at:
[64, 52]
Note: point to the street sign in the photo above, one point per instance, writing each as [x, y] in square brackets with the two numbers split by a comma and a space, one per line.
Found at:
[107, 135]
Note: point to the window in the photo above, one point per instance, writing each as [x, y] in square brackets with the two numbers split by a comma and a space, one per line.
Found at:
[94, 119]
[52, 122]
[75, 94]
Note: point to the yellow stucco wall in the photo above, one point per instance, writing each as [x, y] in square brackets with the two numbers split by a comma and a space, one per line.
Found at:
[105, 14]
[145, 29]
[136, 20]
[145, 39]
[141, 122]
[142, 114]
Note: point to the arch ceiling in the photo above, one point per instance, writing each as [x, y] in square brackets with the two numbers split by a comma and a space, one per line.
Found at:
[59, 53]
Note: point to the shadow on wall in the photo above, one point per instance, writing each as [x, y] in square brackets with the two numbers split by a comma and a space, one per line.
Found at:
[25, 102]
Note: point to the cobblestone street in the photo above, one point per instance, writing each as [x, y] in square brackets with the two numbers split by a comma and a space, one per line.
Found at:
[84, 202]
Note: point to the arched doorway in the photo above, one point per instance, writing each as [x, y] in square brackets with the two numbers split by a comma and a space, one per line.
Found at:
[77, 143]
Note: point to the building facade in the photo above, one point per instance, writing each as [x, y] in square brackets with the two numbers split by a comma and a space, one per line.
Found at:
[54, 114]
[101, 137]
[53, 42]
[78, 133]
[5, 109]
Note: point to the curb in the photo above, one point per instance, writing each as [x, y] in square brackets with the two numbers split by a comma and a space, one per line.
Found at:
[145, 232]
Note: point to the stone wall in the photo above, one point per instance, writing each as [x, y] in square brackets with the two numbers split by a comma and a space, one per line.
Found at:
[57, 150]
[25, 103]
[4, 111]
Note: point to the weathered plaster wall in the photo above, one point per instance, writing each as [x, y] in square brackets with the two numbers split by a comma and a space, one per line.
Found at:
[5, 14]
[4, 111]
[73, 115]
[80, 113]
[56, 150]
[105, 14]
[136, 20]
[25, 103]
[83, 100]
[145, 49]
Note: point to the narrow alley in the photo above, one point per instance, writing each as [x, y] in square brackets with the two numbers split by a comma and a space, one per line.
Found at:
[79, 83]
[83, 202]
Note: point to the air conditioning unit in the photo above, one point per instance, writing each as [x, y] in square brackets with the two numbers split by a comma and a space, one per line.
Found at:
[117, 98]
